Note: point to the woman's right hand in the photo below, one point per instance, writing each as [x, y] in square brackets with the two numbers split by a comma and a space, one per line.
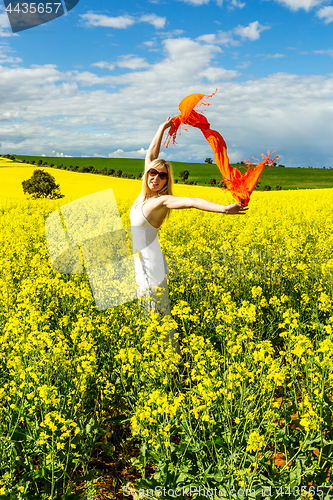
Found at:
[167, 123]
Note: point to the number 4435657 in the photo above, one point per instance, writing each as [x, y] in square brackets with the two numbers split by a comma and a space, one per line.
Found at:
[33, 8]
[304, 490]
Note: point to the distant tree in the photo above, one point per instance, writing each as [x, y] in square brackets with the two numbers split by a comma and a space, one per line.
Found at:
[277, 188]
[42, 185]
[84, 169]
[266, 188]
[208, 160]
[184, 174]
[257, 185]
[212, 181]
[104, 171]
[118, 173]
[139, 176]
[176, 181]
[39, 162]
[281, 165]
[222, 184]
[32, 162]
[111, 171]
[124, 175]
[52, 165]
[45, 163]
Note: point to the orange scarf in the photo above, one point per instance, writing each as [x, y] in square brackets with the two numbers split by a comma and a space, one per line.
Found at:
[240, 185]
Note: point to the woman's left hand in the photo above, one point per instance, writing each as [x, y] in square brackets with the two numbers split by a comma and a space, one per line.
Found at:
[235, 209]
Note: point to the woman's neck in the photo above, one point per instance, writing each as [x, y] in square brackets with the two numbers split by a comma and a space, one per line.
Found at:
[152, 195]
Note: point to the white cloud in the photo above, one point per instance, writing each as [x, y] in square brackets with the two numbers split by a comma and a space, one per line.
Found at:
[326, 13]
[218, 74]
[5, 33]
[329, 52]
[271, 56]
[219, 38]
[4, 21]
[300, 4]
[209, 38]
[87, 78]
[121, 22]
[59, 155]
[243, 65]
[231, 3]
[5, 29]
[171, 33]
[237, 4]
[7, 59]
[13, 60]
[52, 112]
[141, 153]
[252, 31]
[196, 2]
[132, 62]
[149, 43]
[157, 22]
[103, 65]
[126, 61]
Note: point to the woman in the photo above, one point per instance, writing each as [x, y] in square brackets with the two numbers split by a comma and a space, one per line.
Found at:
[147, 214]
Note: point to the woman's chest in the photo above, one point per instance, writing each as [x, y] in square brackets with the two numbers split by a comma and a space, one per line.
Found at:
[155, 216]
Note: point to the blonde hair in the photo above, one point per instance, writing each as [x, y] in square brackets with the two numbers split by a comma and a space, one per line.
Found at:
[166, 189]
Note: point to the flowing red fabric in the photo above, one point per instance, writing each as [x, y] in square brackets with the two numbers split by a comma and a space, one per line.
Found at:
[240, 185]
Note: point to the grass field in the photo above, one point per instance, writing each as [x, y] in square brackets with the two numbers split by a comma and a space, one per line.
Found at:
[92, 406]
[287, 178]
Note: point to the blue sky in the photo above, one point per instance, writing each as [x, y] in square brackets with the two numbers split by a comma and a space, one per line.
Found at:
[98, 81]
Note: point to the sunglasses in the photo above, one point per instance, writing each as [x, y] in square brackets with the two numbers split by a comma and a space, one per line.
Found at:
[162, 175]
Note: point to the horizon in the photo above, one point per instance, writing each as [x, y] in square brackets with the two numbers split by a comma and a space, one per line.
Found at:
[177, 161]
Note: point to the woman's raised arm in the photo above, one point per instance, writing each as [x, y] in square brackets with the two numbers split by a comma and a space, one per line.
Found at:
[178, 202]
[155, 146]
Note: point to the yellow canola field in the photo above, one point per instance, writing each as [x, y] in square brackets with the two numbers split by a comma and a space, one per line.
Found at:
[251, 300]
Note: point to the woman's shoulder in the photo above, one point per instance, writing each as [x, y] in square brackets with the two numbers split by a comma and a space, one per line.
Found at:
[160, 200]
[136, 202]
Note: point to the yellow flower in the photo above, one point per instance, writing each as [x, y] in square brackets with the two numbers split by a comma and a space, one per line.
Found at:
[255, 442]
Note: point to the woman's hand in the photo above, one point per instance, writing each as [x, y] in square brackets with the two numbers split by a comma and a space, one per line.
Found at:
[235, 209]
[154, 149]
[167, 123]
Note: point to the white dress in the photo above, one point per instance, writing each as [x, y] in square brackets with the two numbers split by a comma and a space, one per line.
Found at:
[151, 268]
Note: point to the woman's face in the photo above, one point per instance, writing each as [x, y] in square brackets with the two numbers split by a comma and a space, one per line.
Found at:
[155, 183]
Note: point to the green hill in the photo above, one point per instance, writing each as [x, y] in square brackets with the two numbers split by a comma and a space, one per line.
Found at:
[287, 178]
